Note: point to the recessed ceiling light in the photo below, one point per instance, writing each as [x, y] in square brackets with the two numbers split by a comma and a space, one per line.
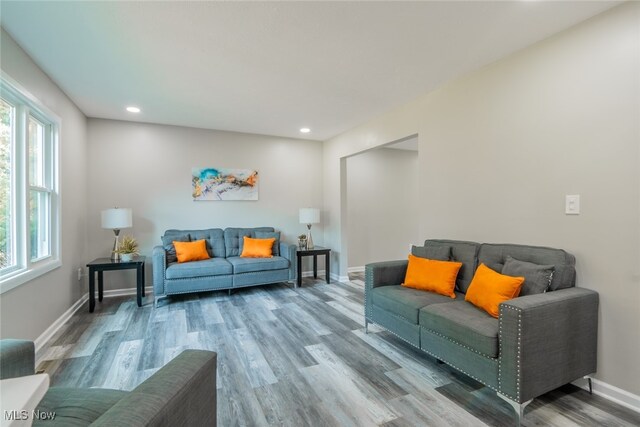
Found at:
[305, 130]
[133, 109]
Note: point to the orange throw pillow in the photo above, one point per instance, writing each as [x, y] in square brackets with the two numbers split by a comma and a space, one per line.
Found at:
[257, 248]
[191, 251]
[488, 289]
[431, 275]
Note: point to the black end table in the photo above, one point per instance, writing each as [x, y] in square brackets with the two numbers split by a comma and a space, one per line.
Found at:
[317, 250]
[105, 264]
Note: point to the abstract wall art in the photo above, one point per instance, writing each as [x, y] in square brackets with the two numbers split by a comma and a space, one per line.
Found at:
[224, 184]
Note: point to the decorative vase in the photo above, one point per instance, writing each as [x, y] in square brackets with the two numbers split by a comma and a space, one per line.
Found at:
[302, 244]
[126, 257]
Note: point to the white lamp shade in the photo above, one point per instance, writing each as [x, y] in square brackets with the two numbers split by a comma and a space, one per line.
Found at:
[309, 216]
[116, 218]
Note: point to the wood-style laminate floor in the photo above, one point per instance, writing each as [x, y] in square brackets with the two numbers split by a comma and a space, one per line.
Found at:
[296, 357]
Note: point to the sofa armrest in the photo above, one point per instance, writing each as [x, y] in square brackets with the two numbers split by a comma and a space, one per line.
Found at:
[378, 274]
[183, 392]
[17, 358]
[385, 273]
[288, 251]
[159, 265]
[546, 340]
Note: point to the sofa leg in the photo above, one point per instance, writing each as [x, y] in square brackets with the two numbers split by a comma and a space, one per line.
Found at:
[155, 301]
[229, 292]
[517, 407]
[366, 325]
[590, 385]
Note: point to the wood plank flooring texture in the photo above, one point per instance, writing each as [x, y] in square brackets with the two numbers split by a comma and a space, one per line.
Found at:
[296, 357]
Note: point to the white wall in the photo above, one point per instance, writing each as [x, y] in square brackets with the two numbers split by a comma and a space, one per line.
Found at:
[382, 205]
[29, 309]
[147, 167]
[501, 147]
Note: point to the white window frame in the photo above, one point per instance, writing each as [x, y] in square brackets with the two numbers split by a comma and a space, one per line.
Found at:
[27, 106]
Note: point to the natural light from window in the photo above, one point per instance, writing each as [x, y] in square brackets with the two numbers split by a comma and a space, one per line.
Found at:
[29, 208]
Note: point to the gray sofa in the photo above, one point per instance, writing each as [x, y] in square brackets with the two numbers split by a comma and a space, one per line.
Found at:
[183, 392]
[225, 269]
[538, 343]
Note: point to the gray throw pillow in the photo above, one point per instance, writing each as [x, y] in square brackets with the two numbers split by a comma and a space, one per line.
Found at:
[275, 250]
[167, 242]
[537, 278]
[440, 253]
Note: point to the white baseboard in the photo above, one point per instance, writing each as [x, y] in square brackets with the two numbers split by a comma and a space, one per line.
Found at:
[612, 393]
[84, 299]
[57, 324]
[356, 269]
[310, 273]
[339, 278]
[124, 292]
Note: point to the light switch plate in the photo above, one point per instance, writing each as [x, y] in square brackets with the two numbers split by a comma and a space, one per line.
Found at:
[572, 204]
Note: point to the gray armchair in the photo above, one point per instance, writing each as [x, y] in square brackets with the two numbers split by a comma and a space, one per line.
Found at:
[183, 392]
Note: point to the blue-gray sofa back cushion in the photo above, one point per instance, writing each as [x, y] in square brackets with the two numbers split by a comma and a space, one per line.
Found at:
[464, 252]
[214, 238]
[233, 238]
[564, 275]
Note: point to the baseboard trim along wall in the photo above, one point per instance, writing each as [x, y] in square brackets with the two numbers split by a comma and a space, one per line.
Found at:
[84, 299]
[612, 393]
[356, 269]
[57, 324]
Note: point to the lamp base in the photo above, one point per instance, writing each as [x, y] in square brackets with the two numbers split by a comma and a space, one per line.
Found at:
[309, 238]
[115, 255]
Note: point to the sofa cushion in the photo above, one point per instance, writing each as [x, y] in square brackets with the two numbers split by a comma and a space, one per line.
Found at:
[77, 406]
[248, 265]
[464, 323]
[440, 253]
[564, 272]
[432, 275]
[489, 289]
[461, 251]
[233, 238]
[207, 267]
[167, 242]
[191, 251]
[537, 278]
[214, 238]
[275, 251]
[406, 302]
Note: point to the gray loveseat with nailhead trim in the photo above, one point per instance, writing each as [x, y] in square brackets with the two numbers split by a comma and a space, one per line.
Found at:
[538, 342]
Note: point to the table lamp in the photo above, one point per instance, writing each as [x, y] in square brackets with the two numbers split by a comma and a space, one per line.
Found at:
[116, 219]
[309, 216]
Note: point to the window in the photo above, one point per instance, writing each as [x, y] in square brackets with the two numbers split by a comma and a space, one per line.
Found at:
[29, 207]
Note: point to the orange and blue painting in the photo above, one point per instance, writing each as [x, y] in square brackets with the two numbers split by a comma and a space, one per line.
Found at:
[224, 184]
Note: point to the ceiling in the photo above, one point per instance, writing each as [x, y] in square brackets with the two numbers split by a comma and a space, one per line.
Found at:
[271, 67]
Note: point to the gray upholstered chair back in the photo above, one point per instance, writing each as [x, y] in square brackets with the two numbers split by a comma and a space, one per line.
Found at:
[564, 275]
[464, 252]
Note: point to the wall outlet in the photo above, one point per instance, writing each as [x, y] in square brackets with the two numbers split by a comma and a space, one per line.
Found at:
[79, 273]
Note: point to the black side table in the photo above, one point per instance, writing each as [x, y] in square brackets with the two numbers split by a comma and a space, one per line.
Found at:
[314, 252]
[105, 264]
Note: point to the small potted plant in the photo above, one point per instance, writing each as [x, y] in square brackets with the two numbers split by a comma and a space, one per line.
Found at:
[128, 248]
[302, 242]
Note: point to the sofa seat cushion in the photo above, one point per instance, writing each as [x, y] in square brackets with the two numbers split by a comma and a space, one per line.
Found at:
[77, 406]
[250, 265]
[464, 323]
[207, 267]
[406, 302]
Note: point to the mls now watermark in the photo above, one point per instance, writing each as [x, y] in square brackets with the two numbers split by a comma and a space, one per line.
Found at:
[25, 415]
